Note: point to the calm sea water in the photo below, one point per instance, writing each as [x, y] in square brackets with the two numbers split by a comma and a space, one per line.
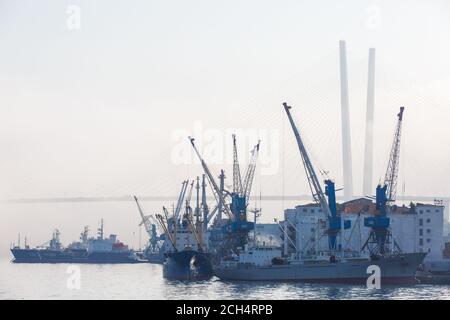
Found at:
[141, 281]
[144, 281]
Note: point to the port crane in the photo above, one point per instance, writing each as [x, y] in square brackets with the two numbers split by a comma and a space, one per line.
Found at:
[242, 187]
[237, 180]
[334, 221]
[150, 223]
[250, 172]
[237, 229]
[180, 200]
[390, 178]
[218, 195]
[219, 207]
[380, 235]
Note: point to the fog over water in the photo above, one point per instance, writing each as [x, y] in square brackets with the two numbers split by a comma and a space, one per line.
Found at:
[104, 110]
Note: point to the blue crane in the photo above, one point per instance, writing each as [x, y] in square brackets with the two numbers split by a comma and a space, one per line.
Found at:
[149, 223]
[379, 237]
[335, 223]
[237, 228]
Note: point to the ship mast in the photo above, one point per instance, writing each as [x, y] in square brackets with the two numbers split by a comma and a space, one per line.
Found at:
[100, 230]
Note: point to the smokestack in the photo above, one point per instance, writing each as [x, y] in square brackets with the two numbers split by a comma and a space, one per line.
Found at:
[368, 148]
[346, 140]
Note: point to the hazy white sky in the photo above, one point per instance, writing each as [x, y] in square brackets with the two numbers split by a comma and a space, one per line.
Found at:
[94, 111]
[99, 111]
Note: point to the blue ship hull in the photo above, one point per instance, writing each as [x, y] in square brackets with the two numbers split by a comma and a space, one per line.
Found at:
[187, 265]
[71, 256]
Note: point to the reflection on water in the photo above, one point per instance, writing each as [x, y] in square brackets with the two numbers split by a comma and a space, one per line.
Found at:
[144, 281]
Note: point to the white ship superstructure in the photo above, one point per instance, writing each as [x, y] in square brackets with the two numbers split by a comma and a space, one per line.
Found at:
[416, 228]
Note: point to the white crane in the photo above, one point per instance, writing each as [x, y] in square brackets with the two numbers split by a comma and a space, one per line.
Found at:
[181, 196]
[250, 172]
[145, 220]
[313, 182]
[237, 180]
[390, 178]
[218, 195]
[335, 223]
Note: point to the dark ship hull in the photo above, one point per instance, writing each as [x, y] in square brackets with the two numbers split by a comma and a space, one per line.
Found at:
[187, 265]
[398, 269]
[71, 256]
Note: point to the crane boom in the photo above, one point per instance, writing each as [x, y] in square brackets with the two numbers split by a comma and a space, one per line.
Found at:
[154, 221]
[237, 180]
[205, 209]
[250, 171]
[184, 186]
[316, 189]
[390, 178]
[174, 225]
[161, 221]
[335, 223]
[197, 202]
[189, 196]
[193, 229]
[145, 219]
[216, 190]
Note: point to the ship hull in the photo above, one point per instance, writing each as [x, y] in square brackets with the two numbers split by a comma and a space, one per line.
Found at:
[398, 269]
[187, 265]
[70, 256]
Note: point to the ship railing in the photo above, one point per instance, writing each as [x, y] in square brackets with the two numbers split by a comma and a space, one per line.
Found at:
[326, 254]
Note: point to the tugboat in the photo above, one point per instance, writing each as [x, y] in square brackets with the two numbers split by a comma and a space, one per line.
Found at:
[87, 250]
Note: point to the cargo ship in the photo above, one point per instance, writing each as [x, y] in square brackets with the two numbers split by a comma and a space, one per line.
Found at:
[187, 264]
[186, 259]
[186, 254]
[87, 250]
[266, 264]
